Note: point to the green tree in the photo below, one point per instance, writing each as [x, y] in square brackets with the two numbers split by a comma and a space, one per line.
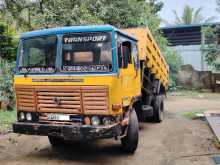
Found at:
[126, 13]
[29, 14]
[6, 81]
[174, 61]
[211, 49]
[18, 13]
[8, 42]
[191, 16]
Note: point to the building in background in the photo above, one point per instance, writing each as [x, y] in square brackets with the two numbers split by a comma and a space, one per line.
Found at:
[187, 41]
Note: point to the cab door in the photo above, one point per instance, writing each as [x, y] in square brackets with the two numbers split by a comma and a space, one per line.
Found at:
[127, 73]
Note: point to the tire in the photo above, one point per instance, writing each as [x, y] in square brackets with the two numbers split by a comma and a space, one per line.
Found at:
[158, 109]
[56, 141]
[139, 112]
[130, 141]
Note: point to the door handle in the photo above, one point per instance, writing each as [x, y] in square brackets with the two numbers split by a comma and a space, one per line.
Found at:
[136, 74]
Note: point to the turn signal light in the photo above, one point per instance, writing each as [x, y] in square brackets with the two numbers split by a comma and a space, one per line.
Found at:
[87, 120]
[116, 106]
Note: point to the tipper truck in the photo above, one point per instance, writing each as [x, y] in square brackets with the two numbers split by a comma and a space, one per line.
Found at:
[82, 83]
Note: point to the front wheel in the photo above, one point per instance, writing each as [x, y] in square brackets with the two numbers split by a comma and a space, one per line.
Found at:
[130, 141]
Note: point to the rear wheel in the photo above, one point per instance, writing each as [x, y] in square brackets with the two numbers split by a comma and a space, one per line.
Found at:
[158, 109]
[130, 141]
[56, 141]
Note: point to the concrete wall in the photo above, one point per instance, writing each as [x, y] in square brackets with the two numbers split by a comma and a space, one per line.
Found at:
[192, 55]
[189, 78]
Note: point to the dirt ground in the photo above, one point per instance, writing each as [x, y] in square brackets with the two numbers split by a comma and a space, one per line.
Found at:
[177, 141]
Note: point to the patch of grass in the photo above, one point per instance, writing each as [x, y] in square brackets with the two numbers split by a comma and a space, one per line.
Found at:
[193, 114]
[187, 93]
[195, 94]
[6, 119]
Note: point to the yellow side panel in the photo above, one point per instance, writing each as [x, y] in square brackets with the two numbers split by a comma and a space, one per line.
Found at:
[131, 83]
[149, 51]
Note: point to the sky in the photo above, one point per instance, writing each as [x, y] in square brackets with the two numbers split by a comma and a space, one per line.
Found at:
[209, 8]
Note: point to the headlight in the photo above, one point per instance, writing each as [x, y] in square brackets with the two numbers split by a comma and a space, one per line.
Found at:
[106, 120]
[28, 116]
[95, 120]
[87, 120]
[21, 116]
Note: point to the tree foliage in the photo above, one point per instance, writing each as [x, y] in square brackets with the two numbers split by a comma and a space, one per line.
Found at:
[126, 13]
[211, 49]
[191, 16]
[35, 14]
[6, 80]
[17, 13]
[8, 42]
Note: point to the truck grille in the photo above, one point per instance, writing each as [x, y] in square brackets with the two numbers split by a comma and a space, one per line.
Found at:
[95, 100]
[25, 99]
[63, 99]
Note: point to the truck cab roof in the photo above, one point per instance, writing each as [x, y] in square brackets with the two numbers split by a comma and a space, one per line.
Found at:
[75, 29]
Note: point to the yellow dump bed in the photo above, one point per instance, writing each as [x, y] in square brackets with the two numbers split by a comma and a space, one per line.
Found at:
[150, 53]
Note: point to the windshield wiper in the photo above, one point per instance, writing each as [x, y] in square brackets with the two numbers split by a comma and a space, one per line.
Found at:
[30, 67]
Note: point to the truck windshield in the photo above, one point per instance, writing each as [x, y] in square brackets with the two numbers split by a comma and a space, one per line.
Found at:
[87, 52]
[37, 55]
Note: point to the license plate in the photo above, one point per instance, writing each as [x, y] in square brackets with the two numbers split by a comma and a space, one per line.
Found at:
[60, 117]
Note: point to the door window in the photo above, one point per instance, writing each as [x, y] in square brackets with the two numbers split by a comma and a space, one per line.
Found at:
[135, 56]
[124, 54]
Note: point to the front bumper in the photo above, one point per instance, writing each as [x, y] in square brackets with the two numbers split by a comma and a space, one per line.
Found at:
[68, 132]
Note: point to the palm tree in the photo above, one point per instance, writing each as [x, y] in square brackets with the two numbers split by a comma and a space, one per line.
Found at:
[191, 16]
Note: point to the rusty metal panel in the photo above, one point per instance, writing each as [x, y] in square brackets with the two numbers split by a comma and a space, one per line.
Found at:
[63, 99]
[58, 99]
[25, 99]
[95, 100]
[213, 118]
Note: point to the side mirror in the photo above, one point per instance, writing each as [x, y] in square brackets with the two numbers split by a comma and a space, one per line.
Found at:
[14, 70]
